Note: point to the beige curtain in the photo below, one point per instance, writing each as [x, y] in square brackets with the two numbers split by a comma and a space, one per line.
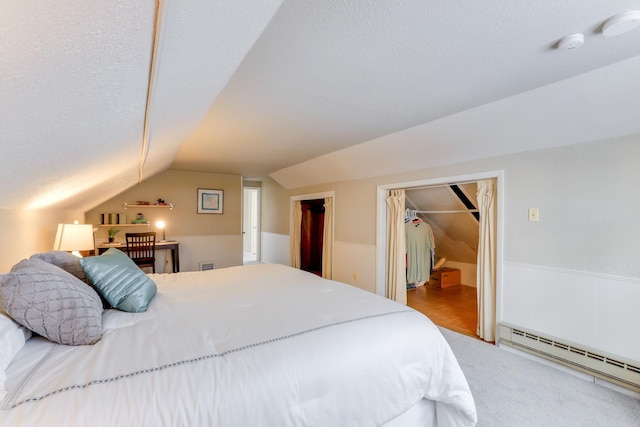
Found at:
[396, 273]
[327, 239]
[486, 260]
[295, 234]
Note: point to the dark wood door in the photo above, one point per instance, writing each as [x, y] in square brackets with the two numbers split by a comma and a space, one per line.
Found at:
[311, 235]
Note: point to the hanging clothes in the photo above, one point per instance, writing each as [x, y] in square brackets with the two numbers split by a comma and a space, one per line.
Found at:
[420, 247]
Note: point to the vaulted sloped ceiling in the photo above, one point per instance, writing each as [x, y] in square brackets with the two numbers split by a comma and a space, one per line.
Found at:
[74, 77]
[344, 89]
[306, 91]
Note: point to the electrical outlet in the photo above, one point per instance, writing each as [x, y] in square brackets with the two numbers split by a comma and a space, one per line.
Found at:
[534, 214]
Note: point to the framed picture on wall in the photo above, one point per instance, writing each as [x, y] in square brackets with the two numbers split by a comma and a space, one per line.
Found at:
[210, 201]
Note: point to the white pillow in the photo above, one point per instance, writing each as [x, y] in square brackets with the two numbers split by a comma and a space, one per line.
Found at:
[12, 339]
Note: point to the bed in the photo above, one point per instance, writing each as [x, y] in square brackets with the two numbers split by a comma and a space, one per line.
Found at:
[258, 345]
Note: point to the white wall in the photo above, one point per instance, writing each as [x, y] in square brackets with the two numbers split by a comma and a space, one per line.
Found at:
[592, 309]
[575, 274]
[588, 200]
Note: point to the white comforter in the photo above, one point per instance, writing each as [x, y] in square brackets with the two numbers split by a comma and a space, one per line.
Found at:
[262, 345]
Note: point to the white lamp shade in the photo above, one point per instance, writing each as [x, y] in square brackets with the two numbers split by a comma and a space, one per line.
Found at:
[74, 237]
[161, 225]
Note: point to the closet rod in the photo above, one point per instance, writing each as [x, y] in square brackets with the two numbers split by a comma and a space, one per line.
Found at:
[458, 211]
[440, 185]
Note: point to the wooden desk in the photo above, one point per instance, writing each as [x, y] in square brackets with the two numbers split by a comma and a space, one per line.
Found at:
[169, 245]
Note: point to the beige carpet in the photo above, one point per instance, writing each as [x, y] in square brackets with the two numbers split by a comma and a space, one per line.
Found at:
[513, 391]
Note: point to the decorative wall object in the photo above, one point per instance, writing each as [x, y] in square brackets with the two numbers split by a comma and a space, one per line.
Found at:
[210, 201]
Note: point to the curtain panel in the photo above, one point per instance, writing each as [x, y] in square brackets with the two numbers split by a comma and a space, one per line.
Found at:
[486, 260]
[396, 283]
[295, 234]
[327, 239]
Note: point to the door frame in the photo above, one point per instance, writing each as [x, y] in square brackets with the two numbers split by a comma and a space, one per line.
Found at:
[381, 226]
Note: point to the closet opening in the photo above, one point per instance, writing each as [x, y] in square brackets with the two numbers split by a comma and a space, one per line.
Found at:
[459, 286]
[441, 283]
[311, 235]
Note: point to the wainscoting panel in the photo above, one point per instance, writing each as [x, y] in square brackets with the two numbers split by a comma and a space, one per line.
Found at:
[275, 248]
[596, 310]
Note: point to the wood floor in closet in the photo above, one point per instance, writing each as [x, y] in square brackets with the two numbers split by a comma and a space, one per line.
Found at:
[454, 308]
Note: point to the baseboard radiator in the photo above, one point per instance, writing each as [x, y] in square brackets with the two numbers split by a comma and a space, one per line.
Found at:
[611, 368]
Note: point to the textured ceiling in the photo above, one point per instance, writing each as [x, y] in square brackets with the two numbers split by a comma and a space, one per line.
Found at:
[74, 77]
[602, 104]
[304, 90]
[326, 75]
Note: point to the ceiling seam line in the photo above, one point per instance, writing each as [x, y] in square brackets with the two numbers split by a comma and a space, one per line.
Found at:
[145, 128]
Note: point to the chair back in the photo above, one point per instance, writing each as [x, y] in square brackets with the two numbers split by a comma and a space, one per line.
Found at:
[141, 248]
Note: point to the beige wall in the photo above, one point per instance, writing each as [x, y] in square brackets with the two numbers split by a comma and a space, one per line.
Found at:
[180, 188]
[275, 208]
[209, 237]
[586, 194]
[25, 232]
[202, 237]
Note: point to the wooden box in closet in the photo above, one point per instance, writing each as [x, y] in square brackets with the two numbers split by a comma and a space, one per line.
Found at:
[445, 277]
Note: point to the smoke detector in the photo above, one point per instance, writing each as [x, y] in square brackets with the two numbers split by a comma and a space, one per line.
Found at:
[621, 23]
[571, 41]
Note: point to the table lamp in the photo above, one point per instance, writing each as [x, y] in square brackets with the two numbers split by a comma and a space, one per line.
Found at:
[161, 225]
[74, 238]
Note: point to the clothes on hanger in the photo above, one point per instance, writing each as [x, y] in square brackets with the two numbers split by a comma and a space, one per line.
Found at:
[420, 247]
[411, 215]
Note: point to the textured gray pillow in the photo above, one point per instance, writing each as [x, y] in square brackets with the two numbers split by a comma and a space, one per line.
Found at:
[66, 261]
[71, 264]
[52, 303]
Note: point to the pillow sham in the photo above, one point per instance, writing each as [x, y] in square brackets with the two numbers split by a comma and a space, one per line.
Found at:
[52, 303]
[12, 339]
[119, 280]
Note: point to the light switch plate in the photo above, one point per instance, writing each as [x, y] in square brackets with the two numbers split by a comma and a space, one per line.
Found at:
[534, 214]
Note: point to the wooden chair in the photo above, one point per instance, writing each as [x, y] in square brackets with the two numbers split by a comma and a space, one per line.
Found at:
[141, 248]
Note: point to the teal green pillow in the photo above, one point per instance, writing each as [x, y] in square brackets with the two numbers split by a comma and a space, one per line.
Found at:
[119, 280]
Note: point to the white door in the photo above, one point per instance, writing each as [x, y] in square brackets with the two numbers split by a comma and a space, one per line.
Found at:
[251, 224]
